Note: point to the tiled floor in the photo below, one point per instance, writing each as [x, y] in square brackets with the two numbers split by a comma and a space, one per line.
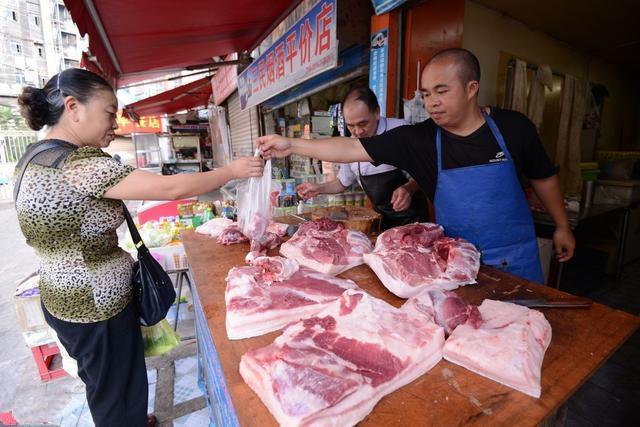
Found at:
[610, 396]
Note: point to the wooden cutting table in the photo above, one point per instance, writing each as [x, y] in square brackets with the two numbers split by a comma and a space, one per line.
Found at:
[448, 394]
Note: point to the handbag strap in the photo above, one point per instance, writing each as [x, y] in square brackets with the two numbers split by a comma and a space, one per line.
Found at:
[133, 230]
[27, 159]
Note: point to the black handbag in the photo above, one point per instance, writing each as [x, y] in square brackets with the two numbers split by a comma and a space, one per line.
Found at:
[152, 287]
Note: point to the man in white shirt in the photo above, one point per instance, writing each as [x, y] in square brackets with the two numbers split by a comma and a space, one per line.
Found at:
[393, 193]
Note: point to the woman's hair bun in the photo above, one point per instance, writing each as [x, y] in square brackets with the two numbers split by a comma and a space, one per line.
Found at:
[34, 107]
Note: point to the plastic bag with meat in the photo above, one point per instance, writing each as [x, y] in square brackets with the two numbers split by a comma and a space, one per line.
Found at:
[255, 203]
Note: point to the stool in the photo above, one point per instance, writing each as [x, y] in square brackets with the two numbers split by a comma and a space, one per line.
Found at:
[43, 355]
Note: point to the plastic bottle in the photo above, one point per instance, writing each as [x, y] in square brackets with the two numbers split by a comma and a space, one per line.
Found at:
[300, 208]
[207, 215]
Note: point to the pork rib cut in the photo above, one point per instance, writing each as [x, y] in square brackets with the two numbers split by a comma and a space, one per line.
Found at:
[273, 292]
[406, 270]
[332, 369]
[508, 347]
[326, 246]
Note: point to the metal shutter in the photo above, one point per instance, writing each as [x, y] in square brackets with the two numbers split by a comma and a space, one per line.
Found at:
[244, 127]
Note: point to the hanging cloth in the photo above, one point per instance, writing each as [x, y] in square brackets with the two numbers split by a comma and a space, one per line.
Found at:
[516, 98]
[572, 109]
[543, 79]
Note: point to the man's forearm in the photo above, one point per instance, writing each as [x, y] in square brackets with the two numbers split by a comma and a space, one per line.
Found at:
[549, 193]
[339, 149]
[411, 186]
[331, 187]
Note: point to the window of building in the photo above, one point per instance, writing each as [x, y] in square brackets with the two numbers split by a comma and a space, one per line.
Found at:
[11, 14]
[40, 51]
[20, 76]
[34, 21]
[69, 63]
[16, 46]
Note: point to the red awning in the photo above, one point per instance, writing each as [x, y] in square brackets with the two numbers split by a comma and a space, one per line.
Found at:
[131, 37]
[191, 95]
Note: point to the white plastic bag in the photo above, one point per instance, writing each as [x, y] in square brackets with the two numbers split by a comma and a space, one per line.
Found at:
[254, 204]
[414, 111]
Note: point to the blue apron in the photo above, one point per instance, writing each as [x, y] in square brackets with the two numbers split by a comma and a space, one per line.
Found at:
[485, 205]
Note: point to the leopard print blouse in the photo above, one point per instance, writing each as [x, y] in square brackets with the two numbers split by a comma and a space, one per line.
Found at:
[84, 275]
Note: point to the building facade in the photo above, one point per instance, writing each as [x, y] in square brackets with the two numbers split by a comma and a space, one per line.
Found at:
[37, 39]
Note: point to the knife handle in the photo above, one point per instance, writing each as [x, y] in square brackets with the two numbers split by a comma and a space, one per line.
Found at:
[569, 302]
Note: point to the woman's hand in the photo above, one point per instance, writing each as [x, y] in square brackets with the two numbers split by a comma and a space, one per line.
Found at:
[246, 167]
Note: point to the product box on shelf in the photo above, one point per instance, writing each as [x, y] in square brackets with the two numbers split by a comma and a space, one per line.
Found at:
[172, 256]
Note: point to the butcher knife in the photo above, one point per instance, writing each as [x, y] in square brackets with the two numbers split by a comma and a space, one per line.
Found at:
[553, 303]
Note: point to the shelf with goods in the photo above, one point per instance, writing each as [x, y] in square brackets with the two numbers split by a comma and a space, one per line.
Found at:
[147, 152]
[187, 152]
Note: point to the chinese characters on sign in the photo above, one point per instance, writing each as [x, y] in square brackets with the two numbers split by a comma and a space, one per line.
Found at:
[225, 81]
[378, 67]
[145, 125]
[307, 49]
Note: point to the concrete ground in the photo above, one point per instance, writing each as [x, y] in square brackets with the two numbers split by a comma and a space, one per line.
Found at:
[174, 394]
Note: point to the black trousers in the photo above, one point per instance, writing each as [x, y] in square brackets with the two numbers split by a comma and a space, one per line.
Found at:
[110, 356]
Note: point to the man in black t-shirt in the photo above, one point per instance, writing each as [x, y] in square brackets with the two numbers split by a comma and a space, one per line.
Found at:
[469, 164]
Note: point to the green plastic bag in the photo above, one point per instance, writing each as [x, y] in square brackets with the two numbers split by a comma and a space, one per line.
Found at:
[159, 338]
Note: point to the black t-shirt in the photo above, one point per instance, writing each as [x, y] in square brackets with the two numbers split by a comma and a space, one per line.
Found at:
[413, 149]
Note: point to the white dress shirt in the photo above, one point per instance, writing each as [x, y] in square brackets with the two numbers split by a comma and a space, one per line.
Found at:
[348, 173]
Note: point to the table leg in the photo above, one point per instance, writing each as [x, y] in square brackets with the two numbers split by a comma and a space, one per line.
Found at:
[622, 242]
[179, 280]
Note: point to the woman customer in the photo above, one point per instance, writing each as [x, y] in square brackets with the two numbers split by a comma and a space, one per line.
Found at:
[69, 207]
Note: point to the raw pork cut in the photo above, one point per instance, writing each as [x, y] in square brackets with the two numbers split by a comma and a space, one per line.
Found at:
[232, 235]
[444, 308]
[419, 234]
[332, 369]
[214, 226]
[326, 246]
[260, 247]
[278, 228]
[275, 291]
[508, 347]
[406, 270]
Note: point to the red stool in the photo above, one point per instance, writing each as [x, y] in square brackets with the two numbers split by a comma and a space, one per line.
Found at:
[43, 355]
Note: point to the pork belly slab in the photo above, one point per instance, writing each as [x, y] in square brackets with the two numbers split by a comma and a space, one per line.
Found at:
[507, 347]
[331, 369]
[406, 270]
[326, 246]
[275, 291]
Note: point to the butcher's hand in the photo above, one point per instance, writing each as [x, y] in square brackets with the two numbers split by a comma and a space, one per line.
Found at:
[308, 190]
[246, 167]
[274, 146]
[564, 243]
[401, 199]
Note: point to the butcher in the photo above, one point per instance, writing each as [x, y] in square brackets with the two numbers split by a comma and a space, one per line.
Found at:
[393, 193]
[468, 162]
